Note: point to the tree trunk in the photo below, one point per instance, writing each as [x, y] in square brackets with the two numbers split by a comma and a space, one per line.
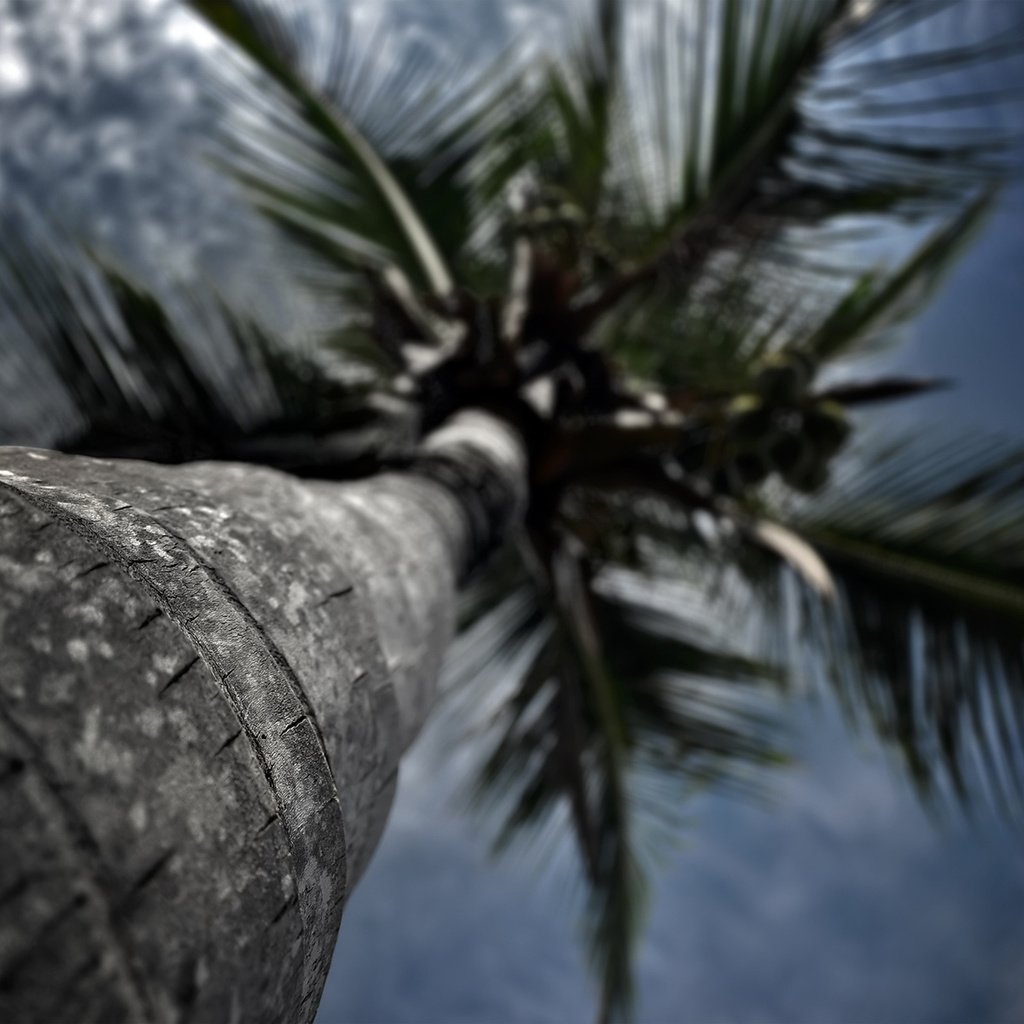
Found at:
[208, 675]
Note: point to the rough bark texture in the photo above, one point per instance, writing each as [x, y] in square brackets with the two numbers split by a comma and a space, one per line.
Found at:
[208, 675]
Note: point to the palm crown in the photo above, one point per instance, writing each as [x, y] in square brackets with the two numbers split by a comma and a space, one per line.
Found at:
[650, 251]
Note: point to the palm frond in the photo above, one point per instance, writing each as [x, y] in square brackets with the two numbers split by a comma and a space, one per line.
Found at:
[919, 546]
[174, 375]
[767, 166]
[333, 183]
[619, 702]
[117, 353]
[583, 91]
[712, 342]
[947, 518]
[925, 541]
[880, 301]
[848, 156]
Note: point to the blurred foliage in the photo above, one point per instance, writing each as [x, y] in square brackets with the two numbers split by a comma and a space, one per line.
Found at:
[654, 244]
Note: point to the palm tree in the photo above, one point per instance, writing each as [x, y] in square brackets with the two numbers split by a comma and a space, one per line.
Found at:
[619, 283]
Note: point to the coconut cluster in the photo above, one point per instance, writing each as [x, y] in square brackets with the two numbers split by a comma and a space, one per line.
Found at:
[777, 427]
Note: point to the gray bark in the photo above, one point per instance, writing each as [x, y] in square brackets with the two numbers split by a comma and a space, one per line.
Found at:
[208, 675]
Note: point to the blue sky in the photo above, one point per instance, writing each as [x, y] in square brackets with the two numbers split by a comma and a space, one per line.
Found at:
[838, 900]
[970, 332]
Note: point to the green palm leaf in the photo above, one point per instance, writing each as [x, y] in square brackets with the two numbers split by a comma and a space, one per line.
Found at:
[582, 94]
[352, 197]
[116, 352]
[176, 375]
[617, 707]
[711, 342]
[925, 541]
[955, 505]
[765, 161]
[879, 301]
